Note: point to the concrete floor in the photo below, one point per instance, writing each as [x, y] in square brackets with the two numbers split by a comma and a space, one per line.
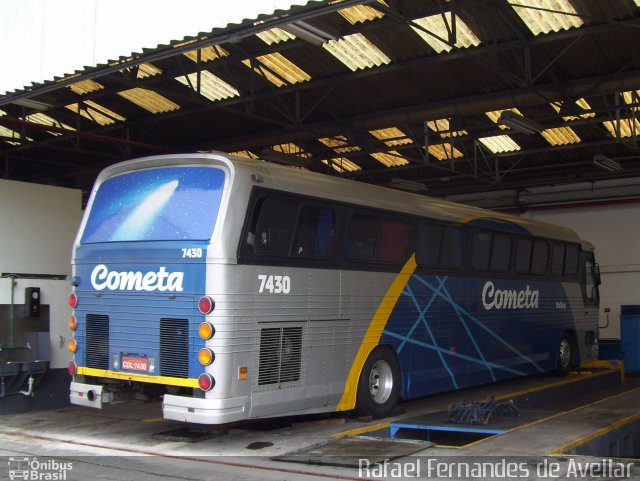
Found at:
[130, 441]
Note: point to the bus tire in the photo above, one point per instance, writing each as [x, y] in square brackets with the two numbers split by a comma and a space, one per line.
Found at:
[564, 356]
[379, 384]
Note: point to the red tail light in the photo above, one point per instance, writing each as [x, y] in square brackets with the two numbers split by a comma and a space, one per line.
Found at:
[73, 300]
[206, 305]
[206, 382]
[72, 368]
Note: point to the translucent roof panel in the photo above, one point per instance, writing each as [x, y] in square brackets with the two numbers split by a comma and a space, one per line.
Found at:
[278, 69]
[44, 119]
[339, 144]
[149, 100]
[443, 127]
[342, 164]
[85, 87]
[275, 35]
[632, 97]
[495, 115]
[147, 70]
[390, 159]
[391, 136]
[624, 128]
[95, 112]
[444, 151]
[498, 144]
[245, 153]
[291, 148]
[578, 106]
[561, 136]
[211, 86]
[545, 16]
[207, 54]
[356, 52]
[360, 14]
[439, 26]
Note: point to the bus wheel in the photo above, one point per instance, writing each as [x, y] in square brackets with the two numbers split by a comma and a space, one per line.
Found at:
[564, 356]
[379, 384]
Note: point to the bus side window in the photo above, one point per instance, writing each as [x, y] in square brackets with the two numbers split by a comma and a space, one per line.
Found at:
[590, 279]
[557, 260]
[362, 237]
[571, 261]
[523, 256]
[275, 221]
[314, 233]
[500, 253]
[428, 248]
[540, 257]
[452, 252]
[394, 240]
[481, 250]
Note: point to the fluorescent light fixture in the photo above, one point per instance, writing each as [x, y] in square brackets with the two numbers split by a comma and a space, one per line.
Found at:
[308, 32]
[409, 185]
[519, 123]
[31, 104]
[607, 163]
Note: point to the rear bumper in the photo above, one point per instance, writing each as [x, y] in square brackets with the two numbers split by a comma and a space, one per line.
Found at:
[205, 411]
[89, 395]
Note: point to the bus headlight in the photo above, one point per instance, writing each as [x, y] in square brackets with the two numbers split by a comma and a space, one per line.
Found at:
[206, 356]
[206, 330]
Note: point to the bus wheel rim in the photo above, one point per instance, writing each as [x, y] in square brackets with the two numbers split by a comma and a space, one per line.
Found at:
[564, 354]
[381, 381]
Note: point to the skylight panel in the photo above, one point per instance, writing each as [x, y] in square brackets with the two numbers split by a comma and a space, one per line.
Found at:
[292, 149]
[278, 70]
[85, 87]
[146, 70]
[495, 115]
[149, 100]
[437, 24]
[339, 144]
[624, 128]
[95, 112]
[356, 52]
[499, 144]
[632, 97]
[211, 86]
[390, 159]
[275, 35]
[6, 132]
[342, 164]
[561, 136]
[391, 136]
[245, 153]
[581, 103]
[545, 16]
[443, 128]
[207, 54]
[360, 14]
[44, 119]
[444, 151]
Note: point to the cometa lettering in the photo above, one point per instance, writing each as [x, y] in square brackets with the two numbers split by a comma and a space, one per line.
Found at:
[493, 298]
[102, 278]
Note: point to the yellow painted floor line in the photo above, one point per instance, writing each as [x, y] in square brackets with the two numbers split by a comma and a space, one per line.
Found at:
[362, 430]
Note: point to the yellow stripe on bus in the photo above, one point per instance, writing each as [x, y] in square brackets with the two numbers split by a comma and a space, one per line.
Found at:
[374, 332]
[166, 380]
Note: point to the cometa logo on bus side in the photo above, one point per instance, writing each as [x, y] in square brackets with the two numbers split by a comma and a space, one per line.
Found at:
[493, 298]
[103, 278]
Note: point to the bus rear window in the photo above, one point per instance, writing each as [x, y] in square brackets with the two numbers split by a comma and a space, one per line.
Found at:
[172, 203]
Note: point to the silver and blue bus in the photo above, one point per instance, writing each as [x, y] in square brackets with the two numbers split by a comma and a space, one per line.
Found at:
[241, 289]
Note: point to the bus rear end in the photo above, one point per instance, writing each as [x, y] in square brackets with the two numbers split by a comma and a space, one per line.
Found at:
[139, 316]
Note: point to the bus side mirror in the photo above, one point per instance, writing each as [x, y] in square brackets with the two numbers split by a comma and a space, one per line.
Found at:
[596, 274]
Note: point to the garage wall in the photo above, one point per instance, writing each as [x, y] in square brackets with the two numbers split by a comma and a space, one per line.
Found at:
[37, 229]
[614, 229]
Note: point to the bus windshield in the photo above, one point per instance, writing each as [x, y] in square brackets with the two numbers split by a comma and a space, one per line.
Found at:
[171, 203]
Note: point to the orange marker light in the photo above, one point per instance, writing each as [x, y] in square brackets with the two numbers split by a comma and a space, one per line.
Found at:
[206, 356]
[73, 323]
[206, 330]
[72, 345]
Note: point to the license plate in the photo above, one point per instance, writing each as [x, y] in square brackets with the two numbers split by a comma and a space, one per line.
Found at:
[135, 363]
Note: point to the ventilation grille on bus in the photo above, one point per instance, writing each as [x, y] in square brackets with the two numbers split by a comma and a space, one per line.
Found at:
[98, 341]
[174, 347]
[280, 355]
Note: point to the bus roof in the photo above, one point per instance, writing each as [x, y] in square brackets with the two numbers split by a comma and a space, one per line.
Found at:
[323, 186]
